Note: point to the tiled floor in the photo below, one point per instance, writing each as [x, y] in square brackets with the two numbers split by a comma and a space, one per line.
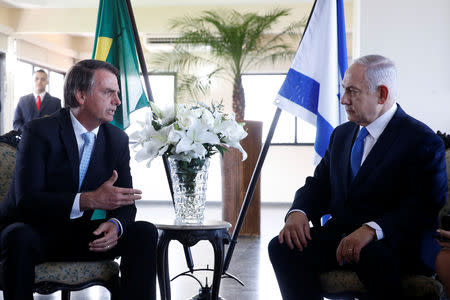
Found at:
[250, 262]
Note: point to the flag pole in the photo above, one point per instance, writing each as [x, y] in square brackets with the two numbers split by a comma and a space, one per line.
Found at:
[143, 65]
[137, 41]
[141, 58]
[255, 177]
[251, 190]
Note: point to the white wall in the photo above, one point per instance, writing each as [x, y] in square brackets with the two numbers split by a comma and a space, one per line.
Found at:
[416, 35]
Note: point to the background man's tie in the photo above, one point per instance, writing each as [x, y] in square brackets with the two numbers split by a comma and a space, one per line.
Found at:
[357, 152]
[38, 102]
[89, 140]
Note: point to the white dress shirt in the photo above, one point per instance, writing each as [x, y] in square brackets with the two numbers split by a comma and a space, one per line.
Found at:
[41, 94]
[79, 130]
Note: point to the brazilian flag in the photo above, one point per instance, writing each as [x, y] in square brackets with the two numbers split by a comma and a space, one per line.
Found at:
[114, 43]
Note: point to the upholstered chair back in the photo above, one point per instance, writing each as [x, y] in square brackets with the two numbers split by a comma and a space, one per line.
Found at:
[446, 209]
[7, 164]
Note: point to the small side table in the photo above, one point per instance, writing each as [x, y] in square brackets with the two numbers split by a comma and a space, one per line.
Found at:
[216, 232]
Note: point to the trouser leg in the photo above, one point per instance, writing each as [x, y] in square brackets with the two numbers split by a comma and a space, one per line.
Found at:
[379, 271]
[21, 250]
[297, 271]
[138, 263]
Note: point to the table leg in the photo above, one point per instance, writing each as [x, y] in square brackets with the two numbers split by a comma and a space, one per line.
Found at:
[218, 265]
[163, 268]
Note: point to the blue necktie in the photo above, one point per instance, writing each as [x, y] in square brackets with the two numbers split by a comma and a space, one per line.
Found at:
[89, 140]
[357, 152]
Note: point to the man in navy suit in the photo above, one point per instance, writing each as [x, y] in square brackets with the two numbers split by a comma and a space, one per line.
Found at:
[50, 212]
[37, 104]
[384, 207]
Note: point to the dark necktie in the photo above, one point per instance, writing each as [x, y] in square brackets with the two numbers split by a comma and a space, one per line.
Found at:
[357, 152]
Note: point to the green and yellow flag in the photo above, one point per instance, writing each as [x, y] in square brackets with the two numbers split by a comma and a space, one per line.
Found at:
[114, 43]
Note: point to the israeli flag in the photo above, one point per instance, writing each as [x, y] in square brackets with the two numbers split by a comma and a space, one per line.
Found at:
[312, 87]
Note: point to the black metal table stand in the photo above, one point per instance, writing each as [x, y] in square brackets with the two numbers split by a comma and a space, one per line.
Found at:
[216, 232]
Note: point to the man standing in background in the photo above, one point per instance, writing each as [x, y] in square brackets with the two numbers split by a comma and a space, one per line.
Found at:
[37, 104]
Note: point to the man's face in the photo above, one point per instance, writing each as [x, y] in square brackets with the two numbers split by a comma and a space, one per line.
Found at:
[99, 104]
[361, 105]
[40, 81]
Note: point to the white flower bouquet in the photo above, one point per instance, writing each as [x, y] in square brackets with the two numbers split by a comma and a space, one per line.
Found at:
[191, 133]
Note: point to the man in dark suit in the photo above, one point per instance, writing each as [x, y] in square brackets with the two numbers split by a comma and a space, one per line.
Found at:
[52, 213]
[382, 179]
[37, 104]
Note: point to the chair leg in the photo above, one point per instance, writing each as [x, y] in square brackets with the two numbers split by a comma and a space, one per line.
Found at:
[65, 295]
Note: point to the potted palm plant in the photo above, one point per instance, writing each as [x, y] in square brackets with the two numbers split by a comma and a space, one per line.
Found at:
[230, 43]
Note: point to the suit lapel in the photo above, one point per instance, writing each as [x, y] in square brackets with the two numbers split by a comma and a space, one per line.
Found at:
[44, 103]
[70, 144]
[32, 106]
[381, 148]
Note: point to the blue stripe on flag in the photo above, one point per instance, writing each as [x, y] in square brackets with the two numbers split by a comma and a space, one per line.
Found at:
[316, 73]
[301, 89]
[342, 40]
[323, 134]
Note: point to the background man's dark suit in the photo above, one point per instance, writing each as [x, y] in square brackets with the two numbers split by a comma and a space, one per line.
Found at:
[49, 148]
[401, 186]
[26, 109]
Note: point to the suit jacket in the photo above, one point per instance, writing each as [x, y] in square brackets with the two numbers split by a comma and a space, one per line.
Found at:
[46, 174]
[26, 109]
[401, 185]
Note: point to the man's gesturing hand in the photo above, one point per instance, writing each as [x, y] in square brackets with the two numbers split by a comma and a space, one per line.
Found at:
[350, 247]
[295, 231]
[109, 197]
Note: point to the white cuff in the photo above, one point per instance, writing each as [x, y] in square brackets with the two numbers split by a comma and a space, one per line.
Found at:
[120, 226]
[378, 230]
[76, 212]
[291, 211]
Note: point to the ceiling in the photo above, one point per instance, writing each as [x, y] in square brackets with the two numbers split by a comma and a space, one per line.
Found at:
[137, 3]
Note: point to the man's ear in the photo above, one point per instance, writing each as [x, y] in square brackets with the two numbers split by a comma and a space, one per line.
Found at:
[80, 96]
[383, 94]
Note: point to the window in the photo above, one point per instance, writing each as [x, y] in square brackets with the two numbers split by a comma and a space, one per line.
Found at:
[56, 85]
[24, 81]
[260, 91]
[153, 181]
[163, 91]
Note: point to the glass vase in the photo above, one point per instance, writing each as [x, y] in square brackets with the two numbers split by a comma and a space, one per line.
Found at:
[189, 181]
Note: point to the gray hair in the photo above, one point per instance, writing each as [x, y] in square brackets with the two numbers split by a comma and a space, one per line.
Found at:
[81, 78]
[379, 71]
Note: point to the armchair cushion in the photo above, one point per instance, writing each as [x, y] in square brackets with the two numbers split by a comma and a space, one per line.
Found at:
[75, 273]
[344, 282]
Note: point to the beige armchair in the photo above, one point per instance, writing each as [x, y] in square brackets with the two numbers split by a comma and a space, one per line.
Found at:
[58, 276]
